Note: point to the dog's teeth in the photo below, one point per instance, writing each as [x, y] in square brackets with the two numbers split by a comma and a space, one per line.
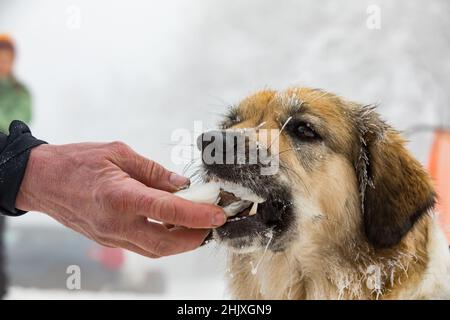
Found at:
[236, 207]
[254, 209]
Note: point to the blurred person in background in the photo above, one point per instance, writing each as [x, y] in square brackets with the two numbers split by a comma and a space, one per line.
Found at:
[15, 104]
[15, 100]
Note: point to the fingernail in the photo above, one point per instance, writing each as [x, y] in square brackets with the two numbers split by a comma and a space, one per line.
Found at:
[179, 181]
[219, 219]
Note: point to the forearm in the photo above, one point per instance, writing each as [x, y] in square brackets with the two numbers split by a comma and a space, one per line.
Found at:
[41, 185]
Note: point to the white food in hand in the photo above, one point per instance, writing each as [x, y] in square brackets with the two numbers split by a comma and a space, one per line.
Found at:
[210, 193]
[201, 193]
[240, 191]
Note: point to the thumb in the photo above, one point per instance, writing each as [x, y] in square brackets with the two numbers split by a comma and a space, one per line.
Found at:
[151, 173]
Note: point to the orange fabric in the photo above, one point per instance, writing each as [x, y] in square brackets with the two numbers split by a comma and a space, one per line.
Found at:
[440, 171]
[6, 38]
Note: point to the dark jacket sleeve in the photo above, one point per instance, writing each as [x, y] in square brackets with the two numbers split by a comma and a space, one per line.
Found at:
[14, 153]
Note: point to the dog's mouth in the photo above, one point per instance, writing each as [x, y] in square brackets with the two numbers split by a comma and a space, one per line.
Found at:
[252, 214]
[237, 201]
[253, 210]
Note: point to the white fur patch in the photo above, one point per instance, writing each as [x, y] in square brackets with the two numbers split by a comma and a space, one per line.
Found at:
[436, 279]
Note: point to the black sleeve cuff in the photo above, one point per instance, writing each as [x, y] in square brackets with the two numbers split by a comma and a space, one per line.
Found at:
[14, 153]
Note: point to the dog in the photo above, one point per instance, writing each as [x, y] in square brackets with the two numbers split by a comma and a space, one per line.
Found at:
[348, 214]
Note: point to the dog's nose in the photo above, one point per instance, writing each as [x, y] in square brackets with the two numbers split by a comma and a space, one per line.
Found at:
[214, 136]
[217, 148]
[223, 147]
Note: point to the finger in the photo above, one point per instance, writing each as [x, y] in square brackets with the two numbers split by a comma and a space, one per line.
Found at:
[148, 172]
[155, 238]
[160, 178]
[165, 207]
[180, 212]
[207, 239]
[176, 211]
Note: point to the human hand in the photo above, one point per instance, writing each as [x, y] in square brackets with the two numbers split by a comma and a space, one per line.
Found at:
[108, 193]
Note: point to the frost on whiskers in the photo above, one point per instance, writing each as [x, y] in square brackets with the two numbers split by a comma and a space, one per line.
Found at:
[254, 268]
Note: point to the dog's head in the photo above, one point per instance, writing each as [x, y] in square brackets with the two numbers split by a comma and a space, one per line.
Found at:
[329, 169]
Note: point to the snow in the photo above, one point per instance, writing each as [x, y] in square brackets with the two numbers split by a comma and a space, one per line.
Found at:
[193, 289]
[137, 70]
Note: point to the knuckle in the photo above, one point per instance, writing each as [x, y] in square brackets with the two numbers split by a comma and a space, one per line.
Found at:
[119, 147]
[144, 201]
[155, 171]
[118, 202]
[99, 157]
[155, 207]
[169, 211]
[113, 198]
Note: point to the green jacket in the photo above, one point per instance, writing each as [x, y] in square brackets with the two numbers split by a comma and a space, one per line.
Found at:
[15, 103]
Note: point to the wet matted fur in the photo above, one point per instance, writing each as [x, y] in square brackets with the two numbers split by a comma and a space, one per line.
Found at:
[351, 211]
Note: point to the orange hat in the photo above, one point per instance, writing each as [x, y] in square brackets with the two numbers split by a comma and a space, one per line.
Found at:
[6, 42]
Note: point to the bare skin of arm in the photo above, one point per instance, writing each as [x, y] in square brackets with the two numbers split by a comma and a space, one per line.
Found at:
[115, 197]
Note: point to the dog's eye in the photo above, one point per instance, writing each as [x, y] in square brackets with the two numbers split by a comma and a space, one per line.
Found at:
[305, 131]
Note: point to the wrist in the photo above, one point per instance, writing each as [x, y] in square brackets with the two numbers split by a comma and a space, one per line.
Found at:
[35, 181]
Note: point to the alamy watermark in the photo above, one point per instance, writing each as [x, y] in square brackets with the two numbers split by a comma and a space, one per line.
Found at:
[73, 281]
[73, 21]
[373, 21]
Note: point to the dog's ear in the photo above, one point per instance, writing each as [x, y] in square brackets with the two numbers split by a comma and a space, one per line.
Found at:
[395, 189]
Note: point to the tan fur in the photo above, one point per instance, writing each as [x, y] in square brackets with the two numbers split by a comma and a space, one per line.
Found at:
[330, 257]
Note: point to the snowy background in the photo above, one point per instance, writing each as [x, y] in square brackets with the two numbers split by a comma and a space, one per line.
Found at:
[138, 70]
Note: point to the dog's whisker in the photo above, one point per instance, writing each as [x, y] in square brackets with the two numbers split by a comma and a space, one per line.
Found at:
[259, 126]
[319, 97]
[189, 165]
[254, 269]
[279, 133]
[181, 144]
